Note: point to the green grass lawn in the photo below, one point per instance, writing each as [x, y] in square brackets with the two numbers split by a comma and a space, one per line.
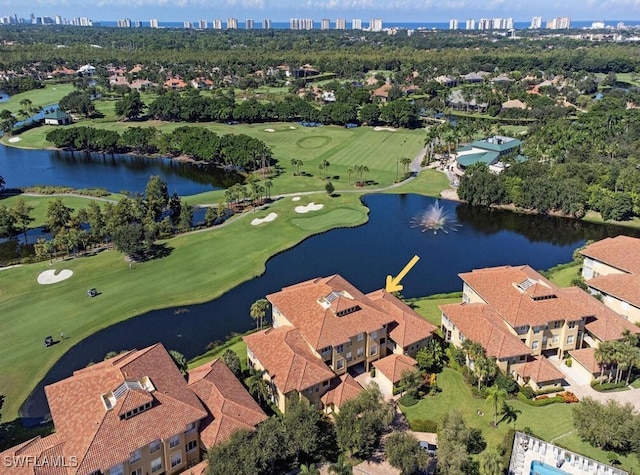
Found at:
[428, 182]
[595, 217]
[201, 266]
[563, 274]
[235, 344]
[428, 306]
[50, 94]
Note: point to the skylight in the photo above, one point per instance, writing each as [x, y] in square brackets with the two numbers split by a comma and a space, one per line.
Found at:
[524, 285]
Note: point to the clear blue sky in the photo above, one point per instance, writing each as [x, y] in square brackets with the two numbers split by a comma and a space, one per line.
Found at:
[282, 10]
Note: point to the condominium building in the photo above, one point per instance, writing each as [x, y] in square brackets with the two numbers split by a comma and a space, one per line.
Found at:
[324, 327]
[301, 23]
[559, 23]
[536, 23]
[248, 24]
[341, 24]
[232, 23]
[356, 24]
[470, 24]
[187, 25]
[453, 24]
[325, 24]
[153, 23]
[485, 24]
[203, 24]
[124, 23]
[266, 24]
[137, 414]
[375, 24]
[217, 24]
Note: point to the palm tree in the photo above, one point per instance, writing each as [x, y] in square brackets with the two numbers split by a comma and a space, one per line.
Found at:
[258, 311]
[258, 386]
[267, 187]
[604, 355]
[490, 463]
[350, 172]
[310, 469]
[484, 368]
[324, 166]
[405, 163]
[496, 395]
[509, 414]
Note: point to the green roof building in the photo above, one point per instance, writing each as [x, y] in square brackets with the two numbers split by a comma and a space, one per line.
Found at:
[57, 117]
[487, 151]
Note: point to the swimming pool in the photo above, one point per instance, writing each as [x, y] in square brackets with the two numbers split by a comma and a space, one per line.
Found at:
[539, 468]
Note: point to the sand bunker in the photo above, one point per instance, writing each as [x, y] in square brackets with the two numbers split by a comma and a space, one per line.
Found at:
[388, 129]
[268, 218]
[310, 207]
[269, 130]
[15, 139]
[50, 276]
[292, 127]
[295, 198]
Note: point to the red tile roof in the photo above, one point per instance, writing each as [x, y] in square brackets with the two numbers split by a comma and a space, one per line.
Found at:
[288, 359]
[36, 457]
[394, 365]
[587, 358]
[198, 469]
[229, 404]
[539, 369]
[480, 323]
[98, 437]
[408, 326]
[313, 307]
[521, 296]
[342, 389]
[625, 287]
[621, 252]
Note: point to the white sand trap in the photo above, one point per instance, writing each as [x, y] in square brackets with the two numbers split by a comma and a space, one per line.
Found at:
[388, 129]
[310, 207]
[50, 276]
[292, 127]
[269, 130]
[295, 198]
[268, 218]
[15, 139]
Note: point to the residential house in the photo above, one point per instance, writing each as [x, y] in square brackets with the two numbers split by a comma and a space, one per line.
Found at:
[176, 83]
[324, 328]
[382, 93]
[447, 81]
[521, 319]
[86, 70]
[612, 270]
[202, 83]
[514, 104]
[488, 151]
[502, 79]
[135, 413]
[473, 78]
[389, 370]
[57, 117]
[304, 71]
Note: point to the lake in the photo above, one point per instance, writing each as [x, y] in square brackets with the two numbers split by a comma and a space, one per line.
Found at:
[363, 255]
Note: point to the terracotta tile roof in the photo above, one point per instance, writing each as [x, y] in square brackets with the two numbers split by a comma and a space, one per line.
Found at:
[394, 365]
[198, 469]
[98, 437]
[480, 323]
[621, 252]
[508, 290]
[342, 389]
[602, 322]
[36, 456]
[382, 91]
[625, 287]
[539, 369]
[313, 308]
[408, 326]
[229, 404]
[287, 358]
[587, 358]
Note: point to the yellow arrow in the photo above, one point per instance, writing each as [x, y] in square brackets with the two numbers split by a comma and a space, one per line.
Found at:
[393, 283]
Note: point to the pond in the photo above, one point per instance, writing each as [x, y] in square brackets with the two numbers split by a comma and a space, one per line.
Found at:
[364, 256]
[22, 168]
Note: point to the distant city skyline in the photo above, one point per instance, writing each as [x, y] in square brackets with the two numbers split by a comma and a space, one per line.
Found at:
[283, 10]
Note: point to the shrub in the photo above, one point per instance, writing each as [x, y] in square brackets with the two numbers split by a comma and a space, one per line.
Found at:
[569, 398]
[568, 362]
[408, 400]
[506, 382]
[603, 387]
[527, 392]
[507, 446]
[423, 425]
[541, 400]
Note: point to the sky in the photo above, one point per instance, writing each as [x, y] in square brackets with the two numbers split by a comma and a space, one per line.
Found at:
[283, 10]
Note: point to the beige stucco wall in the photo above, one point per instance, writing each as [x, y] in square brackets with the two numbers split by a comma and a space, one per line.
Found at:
[592, 268]
[622, 308]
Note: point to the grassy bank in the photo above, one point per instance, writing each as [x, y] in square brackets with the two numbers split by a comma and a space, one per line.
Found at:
[50, 94]
[200, 267]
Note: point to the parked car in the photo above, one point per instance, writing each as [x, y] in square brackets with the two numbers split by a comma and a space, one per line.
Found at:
[48, 341]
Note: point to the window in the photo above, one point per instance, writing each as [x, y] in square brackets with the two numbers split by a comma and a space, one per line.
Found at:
[135, 456]
[383, 341]
[569, 339]
[137, 471]
[359, 352]
[154, 446]
[326, 383]
[156, 464]
[536, 330]
[192, 444]
[349, 356]
[374, 350]
[176, 459]
[555, 339]
[174, 441]
[191, 427]
[534, 345]
[339, 348]
[340, 364]
[117, 470]
[360, 336]
[544, 340]
[557, 324]
[460, 337]
[374, 335]
[572, 324]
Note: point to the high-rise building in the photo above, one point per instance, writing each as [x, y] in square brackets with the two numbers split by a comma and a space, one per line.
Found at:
[248, 24]
[137, 24]
[58, 20]
[217, 24]
[597, 25]
[453, 24]
[356, 24]
[153, 23]
[485, 24]
[470, 24]
[266, 24]
[203, 25]
[375, 24]
[187, 25]
[124, 23]
[84, 21]
[341, 24]
[301, 24]
[559, 23]
[325, 24]
[232, 23]
[536, 23]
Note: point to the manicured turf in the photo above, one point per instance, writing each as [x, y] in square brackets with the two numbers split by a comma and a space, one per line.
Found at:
[562, 275]
[428, 306]
[235, 344]
[31, 311]
[428, 182]
[46, 96]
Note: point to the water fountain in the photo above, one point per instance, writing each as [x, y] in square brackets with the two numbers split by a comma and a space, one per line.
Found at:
[435, 219]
